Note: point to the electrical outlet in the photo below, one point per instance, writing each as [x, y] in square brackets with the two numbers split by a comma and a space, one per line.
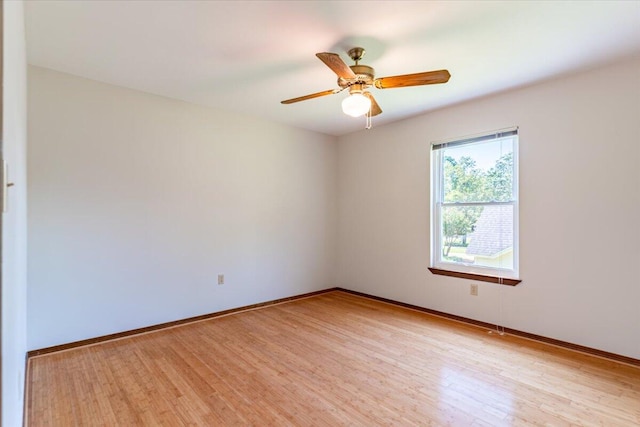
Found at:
[474, 289]
[220, 279]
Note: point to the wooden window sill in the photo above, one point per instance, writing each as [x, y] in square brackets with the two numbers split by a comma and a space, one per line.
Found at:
[479, 277]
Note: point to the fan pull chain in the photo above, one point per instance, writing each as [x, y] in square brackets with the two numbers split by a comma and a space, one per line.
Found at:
[368, 120]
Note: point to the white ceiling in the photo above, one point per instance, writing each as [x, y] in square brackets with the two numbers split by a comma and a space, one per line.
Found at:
[247, 56]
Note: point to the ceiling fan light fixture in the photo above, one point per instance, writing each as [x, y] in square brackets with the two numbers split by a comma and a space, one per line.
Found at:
[356, 105]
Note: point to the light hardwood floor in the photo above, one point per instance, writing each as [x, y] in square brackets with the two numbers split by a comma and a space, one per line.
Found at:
[329, 360]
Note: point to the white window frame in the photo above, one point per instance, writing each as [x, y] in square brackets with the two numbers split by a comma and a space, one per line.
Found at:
[437, 204]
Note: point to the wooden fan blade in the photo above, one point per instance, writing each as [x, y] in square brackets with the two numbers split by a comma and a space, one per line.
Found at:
[417, 79]
[333, 61]
[375, 108]
[313, 95]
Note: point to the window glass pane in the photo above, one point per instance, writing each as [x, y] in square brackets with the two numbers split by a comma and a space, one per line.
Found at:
[481, 172]
[457, 224]
[478, 235]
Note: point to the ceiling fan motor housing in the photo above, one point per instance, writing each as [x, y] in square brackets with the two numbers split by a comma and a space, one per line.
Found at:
[364, 75]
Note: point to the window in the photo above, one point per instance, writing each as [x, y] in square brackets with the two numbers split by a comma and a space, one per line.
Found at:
[474, 199]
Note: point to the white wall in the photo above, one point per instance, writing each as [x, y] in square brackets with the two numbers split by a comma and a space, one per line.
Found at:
[579, 211]
[14, 222]
[138, 202]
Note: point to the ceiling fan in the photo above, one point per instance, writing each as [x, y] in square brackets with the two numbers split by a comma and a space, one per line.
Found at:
[358, 78]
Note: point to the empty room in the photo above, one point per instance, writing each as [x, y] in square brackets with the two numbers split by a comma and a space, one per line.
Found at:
[320, 213]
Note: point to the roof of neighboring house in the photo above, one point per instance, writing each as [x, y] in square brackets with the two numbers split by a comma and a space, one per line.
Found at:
[493, 232]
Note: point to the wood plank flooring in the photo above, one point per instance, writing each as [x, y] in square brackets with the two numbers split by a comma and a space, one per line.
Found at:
[334, 359]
